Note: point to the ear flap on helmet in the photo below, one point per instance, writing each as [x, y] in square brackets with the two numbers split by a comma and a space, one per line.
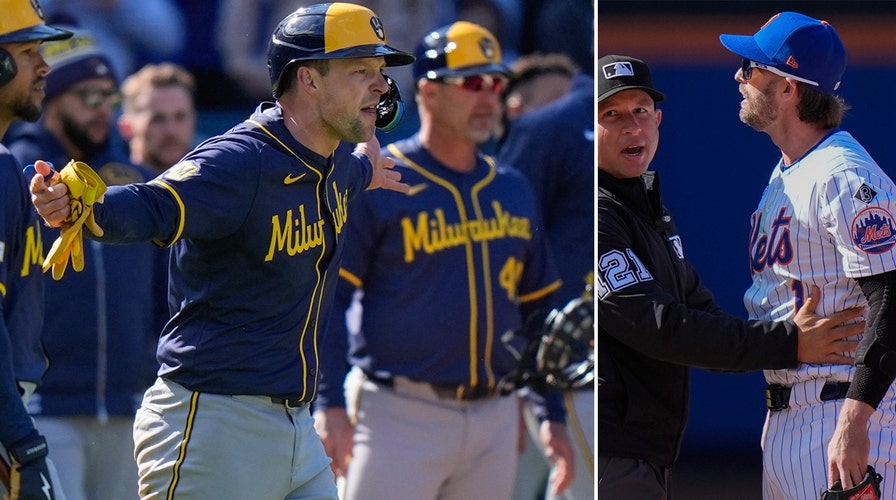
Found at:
[390, 110]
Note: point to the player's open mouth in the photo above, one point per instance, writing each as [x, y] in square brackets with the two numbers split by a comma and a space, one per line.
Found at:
[633, 151]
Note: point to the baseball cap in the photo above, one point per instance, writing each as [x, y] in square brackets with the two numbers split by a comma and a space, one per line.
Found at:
[797, 45]
[618, 73]
[458, 49]
[73, 60]
[23, 21]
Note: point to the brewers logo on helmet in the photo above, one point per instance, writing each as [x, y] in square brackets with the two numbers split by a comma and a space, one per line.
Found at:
[22, 21]
[459, 49]
[329, 31]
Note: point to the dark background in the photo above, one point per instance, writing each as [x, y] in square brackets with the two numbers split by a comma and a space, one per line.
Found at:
[714, 169]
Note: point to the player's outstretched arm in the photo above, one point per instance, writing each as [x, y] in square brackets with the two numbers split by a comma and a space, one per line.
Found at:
[50, 198]
[822, 339]
[383, 175]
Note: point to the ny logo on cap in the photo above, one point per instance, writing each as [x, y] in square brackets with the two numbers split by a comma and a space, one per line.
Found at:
[618, 69]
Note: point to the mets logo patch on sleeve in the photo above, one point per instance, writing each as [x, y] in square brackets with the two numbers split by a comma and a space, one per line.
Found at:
[873, 230]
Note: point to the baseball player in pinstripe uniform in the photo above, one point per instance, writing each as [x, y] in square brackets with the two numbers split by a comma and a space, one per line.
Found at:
[255, 218]
[445, 270]
[826, 219]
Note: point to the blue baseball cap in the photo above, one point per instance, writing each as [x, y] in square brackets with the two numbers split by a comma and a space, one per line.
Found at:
[796, 45]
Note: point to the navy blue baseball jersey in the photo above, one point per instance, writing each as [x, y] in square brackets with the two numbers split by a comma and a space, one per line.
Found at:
[255, 221]
[469, 240]
[101, 361]
[562, 174]
[21, 297]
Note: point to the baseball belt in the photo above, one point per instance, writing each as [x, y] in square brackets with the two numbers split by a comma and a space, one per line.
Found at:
[777, 397]
[404, 385]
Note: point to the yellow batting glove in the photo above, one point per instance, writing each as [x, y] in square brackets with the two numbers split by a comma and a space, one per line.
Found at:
[85, 188]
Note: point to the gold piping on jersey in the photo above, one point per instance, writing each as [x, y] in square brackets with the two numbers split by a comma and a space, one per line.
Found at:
[182, 216]
[351, 278]
[474, 311]
[188, 432]
[316, 300]
[572, 420]
[537, 294]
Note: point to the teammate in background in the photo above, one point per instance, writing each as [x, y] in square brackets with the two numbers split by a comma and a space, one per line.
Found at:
[825, 220]
[158, 115]
[158, 122]
[445, 270]
[23, 360]
[538, 79]
[554, 147]
[102, 323]
[255, 218]
[655, 319]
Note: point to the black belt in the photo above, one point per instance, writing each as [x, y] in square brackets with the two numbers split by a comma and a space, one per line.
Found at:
[289, 403]
[456, 392]
[777, 397]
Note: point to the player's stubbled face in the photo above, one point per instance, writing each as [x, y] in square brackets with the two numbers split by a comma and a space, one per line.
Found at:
[353, 88]
[757, 109]
[627, 133]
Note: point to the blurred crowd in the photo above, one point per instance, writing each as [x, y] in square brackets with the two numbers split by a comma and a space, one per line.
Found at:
[223, 43]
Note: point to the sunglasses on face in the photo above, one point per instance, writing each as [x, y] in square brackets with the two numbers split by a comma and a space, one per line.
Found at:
[94, 98]
[475, 83]
[746, 72]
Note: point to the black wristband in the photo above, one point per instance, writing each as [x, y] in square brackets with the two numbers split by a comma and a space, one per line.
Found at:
[26, 451]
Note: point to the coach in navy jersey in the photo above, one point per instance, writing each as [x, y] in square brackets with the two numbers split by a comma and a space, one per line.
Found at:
[255, 218]
[445, 270]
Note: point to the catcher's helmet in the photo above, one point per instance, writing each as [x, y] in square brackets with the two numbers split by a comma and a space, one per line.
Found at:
[329, 31]
[459, 49]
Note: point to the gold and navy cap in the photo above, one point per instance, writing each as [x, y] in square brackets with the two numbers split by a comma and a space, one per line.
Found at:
[459, 49]
[329, 31]
[23, 21]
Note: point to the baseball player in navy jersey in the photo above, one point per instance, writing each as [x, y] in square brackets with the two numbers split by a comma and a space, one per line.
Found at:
[23, 361]
[255, 218]
[445, 270]
[826, 220]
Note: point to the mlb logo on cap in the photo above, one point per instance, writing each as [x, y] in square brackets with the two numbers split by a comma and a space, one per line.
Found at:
[618, 73]
[615, 69]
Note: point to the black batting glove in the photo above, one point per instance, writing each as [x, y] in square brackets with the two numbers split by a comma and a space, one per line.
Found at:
[29, 477]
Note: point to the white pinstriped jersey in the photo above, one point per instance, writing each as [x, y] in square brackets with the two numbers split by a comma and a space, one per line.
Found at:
[824, 220]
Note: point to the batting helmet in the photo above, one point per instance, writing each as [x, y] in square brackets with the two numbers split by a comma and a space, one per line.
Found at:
[459, 49]
[328, 31]
[22, 21]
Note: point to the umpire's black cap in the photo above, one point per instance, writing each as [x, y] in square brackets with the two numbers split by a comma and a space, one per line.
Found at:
[618, 73]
